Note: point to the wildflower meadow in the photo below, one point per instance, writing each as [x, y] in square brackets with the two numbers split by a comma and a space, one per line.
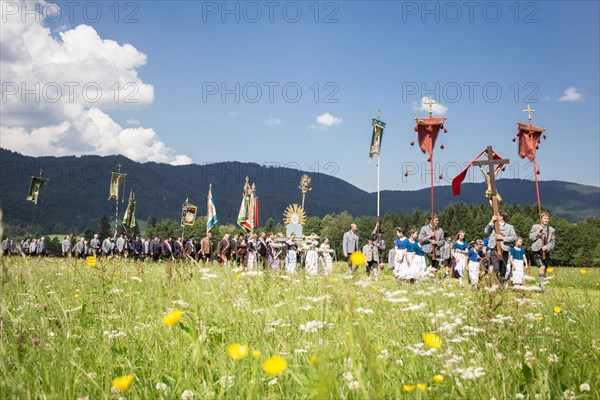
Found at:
[71, 329]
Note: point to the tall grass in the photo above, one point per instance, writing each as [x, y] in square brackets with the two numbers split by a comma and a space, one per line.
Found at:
[68, 329]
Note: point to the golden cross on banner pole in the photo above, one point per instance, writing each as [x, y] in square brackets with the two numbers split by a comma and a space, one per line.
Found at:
[379, 113]
[528, 110]
[119, 167]
[430, 102]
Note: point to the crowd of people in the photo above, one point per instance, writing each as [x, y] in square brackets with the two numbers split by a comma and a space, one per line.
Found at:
[419, 254]
[416, 254]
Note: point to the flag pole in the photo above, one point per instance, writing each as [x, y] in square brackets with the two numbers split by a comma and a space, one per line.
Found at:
[117, 204]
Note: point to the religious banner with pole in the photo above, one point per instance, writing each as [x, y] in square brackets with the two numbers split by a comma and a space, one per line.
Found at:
[248, 214]
[211, 211]
[34, 191]
[427, 130]
[188, 214]
[375, 150]
[495, 163]
[129, 217]
[34, 188]
[115, 181]
[529, 141]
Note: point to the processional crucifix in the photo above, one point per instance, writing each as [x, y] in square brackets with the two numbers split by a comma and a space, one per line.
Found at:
[490, 163]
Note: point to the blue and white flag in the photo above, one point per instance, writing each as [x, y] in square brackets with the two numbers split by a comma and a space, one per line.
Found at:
[211, 217]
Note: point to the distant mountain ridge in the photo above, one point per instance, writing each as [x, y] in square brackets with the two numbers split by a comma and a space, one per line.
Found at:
[76, 196]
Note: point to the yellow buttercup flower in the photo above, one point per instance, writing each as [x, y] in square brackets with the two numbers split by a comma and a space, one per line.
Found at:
[91, 261]
[550, 270]
[422, 387]
[256, 354]
[274, 365]
[237, 351]
[122, 383]
[172, 318]
[557, 309]
[357, 258]
[313, 360]
[432, 340]
[438, 378]
[238, 276]
[75, 296]
[408, 388]
[582, 271]
[540, 318]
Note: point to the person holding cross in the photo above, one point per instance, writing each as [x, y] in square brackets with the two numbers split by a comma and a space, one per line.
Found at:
[431, 239]
[506, 236]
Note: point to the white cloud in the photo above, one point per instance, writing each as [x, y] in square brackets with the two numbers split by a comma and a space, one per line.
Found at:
[233, 114]
[325, 121]
[572, 94]
[438, 109]
[133, 121]
[272, 121]
[57, 88]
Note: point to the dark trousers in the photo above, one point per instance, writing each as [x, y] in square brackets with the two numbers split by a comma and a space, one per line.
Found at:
[432, 263]
[541, 261]
[498, 264]
[371, 265]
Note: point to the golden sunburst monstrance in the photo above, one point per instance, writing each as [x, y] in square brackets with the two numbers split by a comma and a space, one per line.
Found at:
[294, 214]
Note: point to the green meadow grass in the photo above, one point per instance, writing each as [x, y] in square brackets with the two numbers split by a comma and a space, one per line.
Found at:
[340, 337]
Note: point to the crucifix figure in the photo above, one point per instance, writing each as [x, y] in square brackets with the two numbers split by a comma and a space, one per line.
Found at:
[488, 181]
[491, 175]
[430, 103]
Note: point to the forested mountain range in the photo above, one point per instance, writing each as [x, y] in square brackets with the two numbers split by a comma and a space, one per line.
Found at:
[77, 194]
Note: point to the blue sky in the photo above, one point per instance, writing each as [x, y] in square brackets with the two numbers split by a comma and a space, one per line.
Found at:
[358, 57]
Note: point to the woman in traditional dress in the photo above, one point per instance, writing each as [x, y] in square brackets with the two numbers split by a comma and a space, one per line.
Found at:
[326, 258]
[400, 263]
[291, 255]
[311, 260]
[518, 260]
[474, 256]
[459, 256]
[274, 250]
[412, 267]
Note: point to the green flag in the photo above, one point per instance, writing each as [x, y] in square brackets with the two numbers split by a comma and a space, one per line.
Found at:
[115, 181]
[129, 218]
[34, 189]
[377, 135]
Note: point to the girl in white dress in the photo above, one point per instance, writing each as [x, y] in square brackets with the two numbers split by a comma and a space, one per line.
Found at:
[292, 251]
[459, 255]
[518, 260]
[311, 260]
[326, 258]
[400, 263]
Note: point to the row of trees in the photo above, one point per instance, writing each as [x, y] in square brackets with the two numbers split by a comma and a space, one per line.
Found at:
[578, 244]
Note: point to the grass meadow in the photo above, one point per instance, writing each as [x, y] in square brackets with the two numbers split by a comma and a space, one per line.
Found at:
[69, 330]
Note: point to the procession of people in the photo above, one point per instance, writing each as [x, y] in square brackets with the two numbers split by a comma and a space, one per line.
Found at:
[417, 254]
